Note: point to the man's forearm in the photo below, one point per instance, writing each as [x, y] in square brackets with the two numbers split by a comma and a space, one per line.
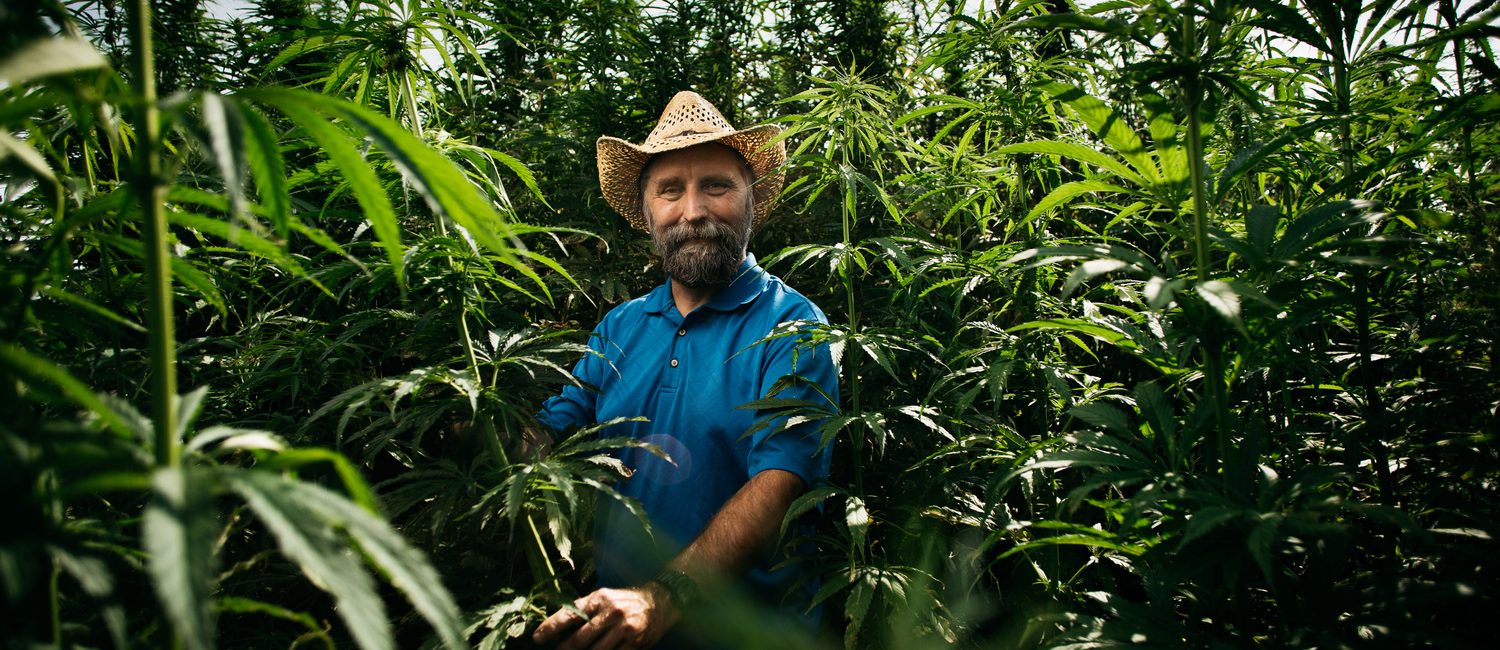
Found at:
[739, 534]
[637, 617]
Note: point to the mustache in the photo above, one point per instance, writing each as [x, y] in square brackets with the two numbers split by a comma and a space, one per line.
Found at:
[710, 229]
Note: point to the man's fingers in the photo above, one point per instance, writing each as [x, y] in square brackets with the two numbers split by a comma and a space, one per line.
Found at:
[584, 636]
[557, 624]
[615, 638]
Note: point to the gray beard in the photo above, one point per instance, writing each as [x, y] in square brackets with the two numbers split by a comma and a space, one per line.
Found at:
[702, 254]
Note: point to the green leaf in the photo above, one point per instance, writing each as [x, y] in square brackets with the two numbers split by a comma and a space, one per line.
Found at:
[811, 499]
[1103, 415]
[263, 154]
[226, 131]
[50, 56]
[1164, 137]
[405, 565]
[37, 370]
[179, 534]
[89, 306]
[362, 180]
[353, 483]
[1090, 270]
[1092, 540]
[1078, 152]
[1080, 326]
[1064, 193]
[311, 540]
[10, 145]
[1261, 543]
[1260, 227]
[447, 191]
[1110, 126]
[189, 407]
[1071, 20]
[246, 240]
[237, 605]
[1223, 298]
[856, 606]
[182, 270]
[857, 519]
[1247, 159]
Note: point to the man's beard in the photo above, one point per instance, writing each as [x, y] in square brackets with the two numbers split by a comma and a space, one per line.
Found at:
[702, 254]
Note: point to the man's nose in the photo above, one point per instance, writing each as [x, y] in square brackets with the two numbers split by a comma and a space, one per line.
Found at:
[695, 206]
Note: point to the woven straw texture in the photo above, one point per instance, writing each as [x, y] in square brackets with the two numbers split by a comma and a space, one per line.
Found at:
[689, 120]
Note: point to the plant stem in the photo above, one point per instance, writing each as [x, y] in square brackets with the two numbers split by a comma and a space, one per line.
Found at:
[1192, 90]
[1213, 350]
[852, 355]
[542, 549]
[151, 192]
[1367, 442]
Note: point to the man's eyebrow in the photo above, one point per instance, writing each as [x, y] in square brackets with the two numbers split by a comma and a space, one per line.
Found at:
[719, 178]
[658, 181]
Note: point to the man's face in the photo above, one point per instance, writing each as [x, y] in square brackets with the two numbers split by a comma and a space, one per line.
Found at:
[697, 201]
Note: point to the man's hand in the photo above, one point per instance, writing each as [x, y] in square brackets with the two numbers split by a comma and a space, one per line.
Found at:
[535, 443]
[617, 618]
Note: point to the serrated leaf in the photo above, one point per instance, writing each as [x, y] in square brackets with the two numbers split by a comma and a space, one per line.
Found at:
[93, 575]
[356, 171]
[1222, 297]
[857, 519]
[263, 154]
[406, 566]
[1078, 152]
[89, 306]
[178, 533]
[50, 56]
[811, 499]
[1262, 543]
[1089, 270]
[12, 146]
[226, 131]
[1103, 415]
[307, 538]
[1109, 126]
[35, 369]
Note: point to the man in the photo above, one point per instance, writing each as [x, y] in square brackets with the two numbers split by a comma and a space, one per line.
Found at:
[685, 356]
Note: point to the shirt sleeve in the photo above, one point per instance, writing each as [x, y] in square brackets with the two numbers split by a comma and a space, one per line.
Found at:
[796, 448]
[575, 405]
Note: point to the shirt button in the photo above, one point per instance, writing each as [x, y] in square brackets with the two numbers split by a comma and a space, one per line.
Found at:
[674, 363]
[682, 332]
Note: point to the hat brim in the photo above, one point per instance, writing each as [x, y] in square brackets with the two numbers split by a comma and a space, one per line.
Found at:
[620, 165]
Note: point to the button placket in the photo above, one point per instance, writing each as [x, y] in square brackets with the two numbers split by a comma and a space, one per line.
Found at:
[681, 332]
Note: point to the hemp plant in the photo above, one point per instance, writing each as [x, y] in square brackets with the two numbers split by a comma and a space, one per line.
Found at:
[181, 475]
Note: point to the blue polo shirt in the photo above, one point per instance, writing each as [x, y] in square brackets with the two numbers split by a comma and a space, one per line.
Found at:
[687, 375]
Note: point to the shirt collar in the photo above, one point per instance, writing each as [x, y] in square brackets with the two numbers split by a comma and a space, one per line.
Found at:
[750, 282]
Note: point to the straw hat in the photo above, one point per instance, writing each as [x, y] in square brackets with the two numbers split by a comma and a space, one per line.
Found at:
[688, 120]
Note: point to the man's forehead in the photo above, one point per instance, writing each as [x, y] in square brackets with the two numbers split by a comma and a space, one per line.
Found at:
[706, 158]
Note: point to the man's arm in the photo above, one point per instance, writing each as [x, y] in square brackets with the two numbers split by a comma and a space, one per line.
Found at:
[732, 543]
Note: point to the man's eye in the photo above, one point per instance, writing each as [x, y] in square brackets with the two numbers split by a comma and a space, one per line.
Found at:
[670, 190]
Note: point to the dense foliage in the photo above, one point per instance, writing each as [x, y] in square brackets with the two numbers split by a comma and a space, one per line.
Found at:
[1159, 324]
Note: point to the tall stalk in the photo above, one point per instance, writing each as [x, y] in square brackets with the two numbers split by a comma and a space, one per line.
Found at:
[1213, 349]
[846, 211]
[409, 98]
[150, 190]
[1375, 412]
